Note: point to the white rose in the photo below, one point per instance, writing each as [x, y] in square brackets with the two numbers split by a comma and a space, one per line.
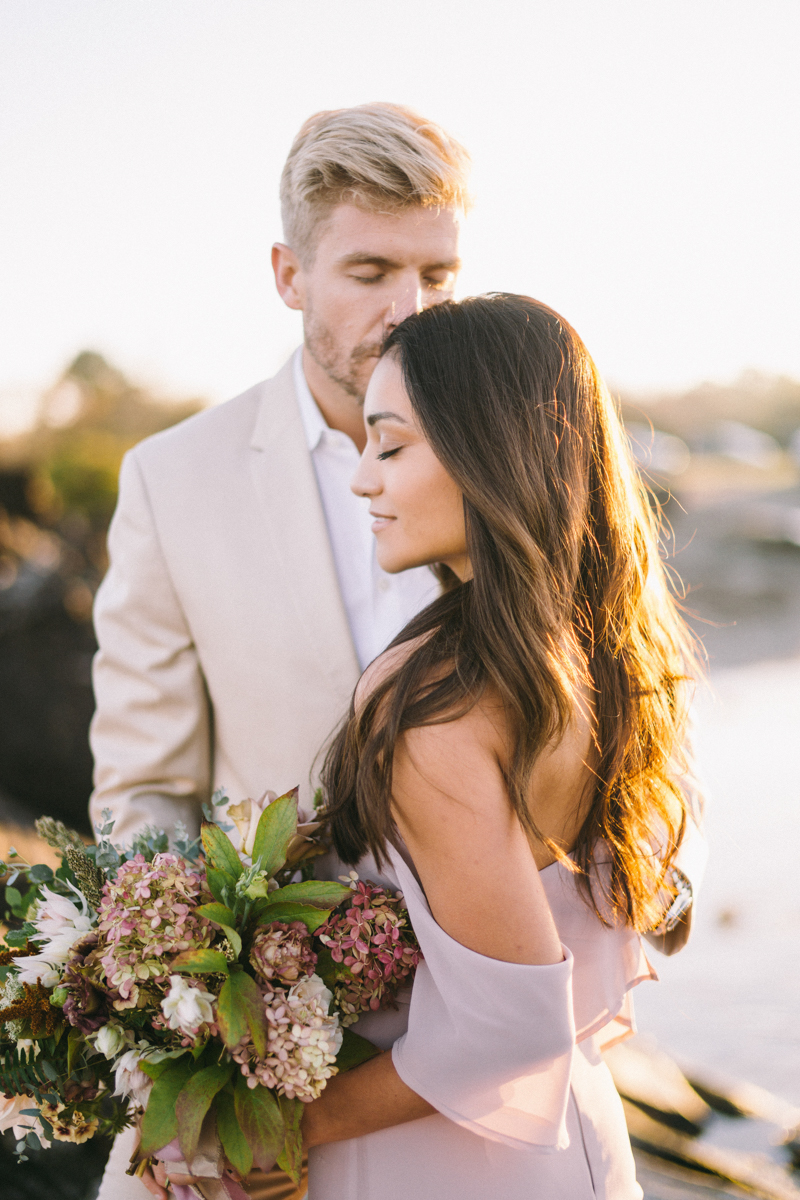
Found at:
[130, 1079]
[312, 990]
[110, 1039]
[185, 1007]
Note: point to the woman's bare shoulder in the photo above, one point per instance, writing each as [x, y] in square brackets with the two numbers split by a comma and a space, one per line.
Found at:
[382, 667]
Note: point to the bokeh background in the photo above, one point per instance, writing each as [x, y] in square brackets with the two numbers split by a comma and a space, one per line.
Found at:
[636, 165]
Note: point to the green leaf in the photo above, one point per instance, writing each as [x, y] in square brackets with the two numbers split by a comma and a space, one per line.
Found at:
[220, 914]
[155, 1067]
[234, 1143]
[200, 962]
[219, 850]
[14, 897]
[240, 1009]
[75, 1043]
[315, 891]
[160, 1121]
[194, 1102]
[221, 884]
[354, 1050]
[276, 828]
[290, 1158]
[311, 917]
[261, 1121]
[40, 873]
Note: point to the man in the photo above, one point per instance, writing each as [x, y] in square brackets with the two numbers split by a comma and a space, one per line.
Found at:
[243, 597]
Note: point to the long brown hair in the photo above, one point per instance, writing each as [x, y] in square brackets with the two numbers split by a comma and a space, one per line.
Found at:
[563, 547]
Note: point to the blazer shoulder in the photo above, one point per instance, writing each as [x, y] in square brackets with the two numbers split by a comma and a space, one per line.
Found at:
[217, 435]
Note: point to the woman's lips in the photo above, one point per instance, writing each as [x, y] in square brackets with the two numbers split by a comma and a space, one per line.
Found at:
[380, 522]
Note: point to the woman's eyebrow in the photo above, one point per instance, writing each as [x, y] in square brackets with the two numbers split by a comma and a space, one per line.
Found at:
[373, 418]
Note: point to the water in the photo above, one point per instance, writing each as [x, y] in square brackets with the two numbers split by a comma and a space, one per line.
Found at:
[731, 1000]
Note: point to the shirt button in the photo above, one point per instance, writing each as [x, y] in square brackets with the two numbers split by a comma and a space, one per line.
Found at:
[384, 584]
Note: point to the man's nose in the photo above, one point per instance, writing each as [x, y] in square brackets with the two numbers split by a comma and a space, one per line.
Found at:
[408, 301]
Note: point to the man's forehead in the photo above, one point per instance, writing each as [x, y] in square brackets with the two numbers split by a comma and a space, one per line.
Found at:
[424, 236]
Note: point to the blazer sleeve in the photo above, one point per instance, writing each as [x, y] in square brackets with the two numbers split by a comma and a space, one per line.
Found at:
[150, 735]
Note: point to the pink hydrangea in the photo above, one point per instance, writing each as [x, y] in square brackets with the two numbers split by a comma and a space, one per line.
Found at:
[302, 1042]
[374, 942]
[146, 917]
[283, 953]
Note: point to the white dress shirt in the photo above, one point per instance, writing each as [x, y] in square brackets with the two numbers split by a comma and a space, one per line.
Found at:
[377, 604]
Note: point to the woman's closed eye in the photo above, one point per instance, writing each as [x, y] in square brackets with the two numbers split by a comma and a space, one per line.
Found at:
[388, 453]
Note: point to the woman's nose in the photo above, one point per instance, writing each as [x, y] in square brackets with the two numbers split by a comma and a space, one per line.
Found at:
[362, 483]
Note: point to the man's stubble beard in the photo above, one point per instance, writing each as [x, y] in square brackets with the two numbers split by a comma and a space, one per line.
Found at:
[344, 369]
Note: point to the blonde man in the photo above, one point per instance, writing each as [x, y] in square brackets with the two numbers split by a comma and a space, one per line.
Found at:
[243, 597]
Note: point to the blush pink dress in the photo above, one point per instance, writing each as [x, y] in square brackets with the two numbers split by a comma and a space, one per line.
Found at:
[509, 1055]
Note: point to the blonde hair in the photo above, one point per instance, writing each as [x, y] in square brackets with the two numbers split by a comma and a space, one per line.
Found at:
[379, 156]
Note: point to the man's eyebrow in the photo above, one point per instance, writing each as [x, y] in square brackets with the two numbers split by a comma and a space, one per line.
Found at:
[373, 418]
[389, 264]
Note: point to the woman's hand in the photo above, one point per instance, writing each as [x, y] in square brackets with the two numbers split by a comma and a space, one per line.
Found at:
[158, 1182]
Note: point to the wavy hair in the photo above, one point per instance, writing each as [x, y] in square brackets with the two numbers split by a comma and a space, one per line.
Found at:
[563, 547]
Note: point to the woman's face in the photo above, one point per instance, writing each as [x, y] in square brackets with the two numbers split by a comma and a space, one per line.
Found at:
[418, 510]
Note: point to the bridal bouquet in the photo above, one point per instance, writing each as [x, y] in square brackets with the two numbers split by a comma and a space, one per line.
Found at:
[204, 991]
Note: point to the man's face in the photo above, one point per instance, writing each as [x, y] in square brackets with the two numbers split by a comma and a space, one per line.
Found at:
[371, 271]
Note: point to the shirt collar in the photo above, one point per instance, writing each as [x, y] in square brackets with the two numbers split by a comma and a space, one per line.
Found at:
[314, 423]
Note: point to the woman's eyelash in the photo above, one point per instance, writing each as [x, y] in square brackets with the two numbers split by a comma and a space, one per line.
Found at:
[388, 453]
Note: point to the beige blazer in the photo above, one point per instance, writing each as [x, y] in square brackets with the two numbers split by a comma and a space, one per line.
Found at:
[225, 654]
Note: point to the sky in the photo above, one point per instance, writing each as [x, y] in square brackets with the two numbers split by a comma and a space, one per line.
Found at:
[636, 166]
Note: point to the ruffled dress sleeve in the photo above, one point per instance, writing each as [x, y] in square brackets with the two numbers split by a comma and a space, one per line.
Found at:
[489, 1043]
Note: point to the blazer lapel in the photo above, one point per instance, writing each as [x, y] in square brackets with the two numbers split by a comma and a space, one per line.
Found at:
[284, 478]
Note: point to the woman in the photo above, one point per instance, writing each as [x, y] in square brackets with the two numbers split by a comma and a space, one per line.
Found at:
[511, 762]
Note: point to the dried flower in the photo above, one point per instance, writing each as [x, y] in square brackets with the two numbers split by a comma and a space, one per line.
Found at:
[283, 952]
[58, 835]
[376, 946]
[89, 876]
[33, 1009]
[187, 1007]
[302, 1042]
[147, 915]
[85, 1006]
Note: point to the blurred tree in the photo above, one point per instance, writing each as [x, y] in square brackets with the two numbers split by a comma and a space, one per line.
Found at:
[57, 495]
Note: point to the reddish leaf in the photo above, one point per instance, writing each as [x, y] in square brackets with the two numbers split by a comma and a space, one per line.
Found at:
[194, 1102]
[234, 1143]
[261, 1122]
[241, 1009]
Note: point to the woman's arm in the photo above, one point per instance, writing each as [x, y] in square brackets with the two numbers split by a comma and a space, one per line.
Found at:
[481, 881]
[361, 1101]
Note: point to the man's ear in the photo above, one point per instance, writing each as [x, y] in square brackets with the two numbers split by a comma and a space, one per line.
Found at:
[288, 276]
